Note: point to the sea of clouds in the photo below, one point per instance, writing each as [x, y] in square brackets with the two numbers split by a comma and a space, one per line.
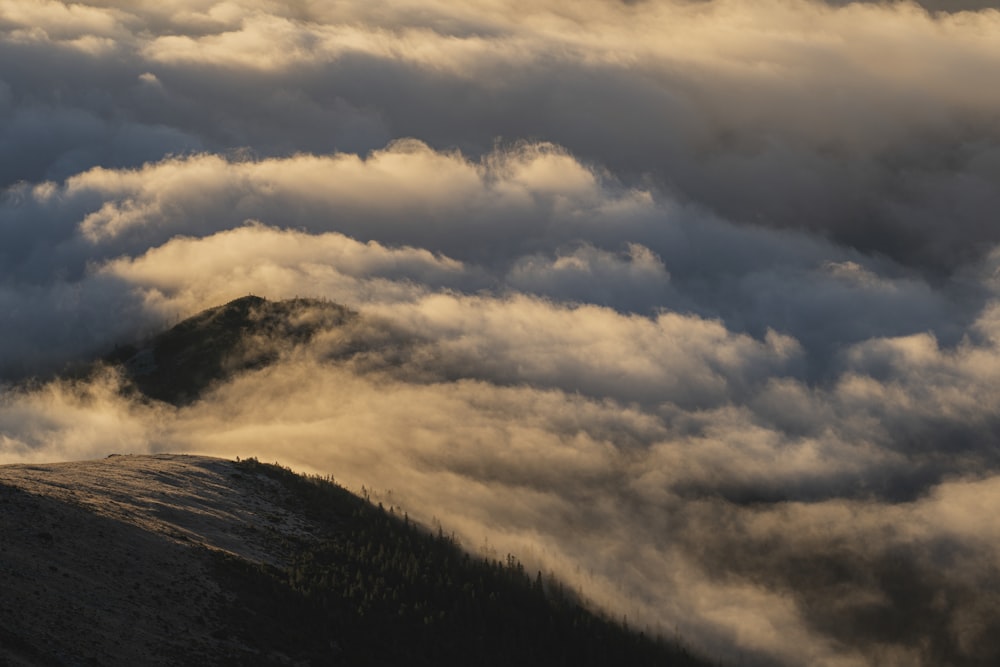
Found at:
[695, 303]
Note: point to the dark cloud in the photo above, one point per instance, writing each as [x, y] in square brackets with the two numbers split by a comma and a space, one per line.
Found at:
[900, 595]
[949, 6]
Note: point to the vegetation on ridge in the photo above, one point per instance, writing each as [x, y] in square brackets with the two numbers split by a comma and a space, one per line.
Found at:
[378, 590]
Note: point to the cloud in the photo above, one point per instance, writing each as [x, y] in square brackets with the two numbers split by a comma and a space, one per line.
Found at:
[586, 484]
[524, 218]
[694, 303]
[789, 115]
[67, 421]
[470, 410]
[633, 279]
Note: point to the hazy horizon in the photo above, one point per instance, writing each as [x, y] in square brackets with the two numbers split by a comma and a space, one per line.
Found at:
[695, 302]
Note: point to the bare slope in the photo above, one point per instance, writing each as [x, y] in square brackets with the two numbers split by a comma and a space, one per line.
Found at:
[97, 564]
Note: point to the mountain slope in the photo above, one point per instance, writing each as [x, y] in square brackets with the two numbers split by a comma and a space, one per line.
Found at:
[109, 562]
[170, 559]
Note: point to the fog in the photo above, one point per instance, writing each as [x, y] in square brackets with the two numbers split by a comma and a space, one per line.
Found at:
[693, 303]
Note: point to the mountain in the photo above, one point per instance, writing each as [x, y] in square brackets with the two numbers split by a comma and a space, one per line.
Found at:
[178, 364]
[175, 559]
[186, 560]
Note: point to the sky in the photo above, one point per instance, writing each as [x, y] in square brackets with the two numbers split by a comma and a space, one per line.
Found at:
[695, 303]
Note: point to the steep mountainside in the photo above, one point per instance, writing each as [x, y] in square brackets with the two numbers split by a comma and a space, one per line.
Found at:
[168, 560]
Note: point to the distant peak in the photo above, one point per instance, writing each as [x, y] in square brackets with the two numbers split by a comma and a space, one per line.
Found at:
[250, 332]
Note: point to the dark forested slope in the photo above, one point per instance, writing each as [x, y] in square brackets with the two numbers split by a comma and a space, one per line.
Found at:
[378, 590]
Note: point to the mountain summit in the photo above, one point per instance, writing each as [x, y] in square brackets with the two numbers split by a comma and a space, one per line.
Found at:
[178, 364]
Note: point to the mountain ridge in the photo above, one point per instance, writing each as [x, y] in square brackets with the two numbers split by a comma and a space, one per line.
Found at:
[182, 559]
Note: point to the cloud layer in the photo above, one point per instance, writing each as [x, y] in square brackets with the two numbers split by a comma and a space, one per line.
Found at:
[694, 303]
[850, 121]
